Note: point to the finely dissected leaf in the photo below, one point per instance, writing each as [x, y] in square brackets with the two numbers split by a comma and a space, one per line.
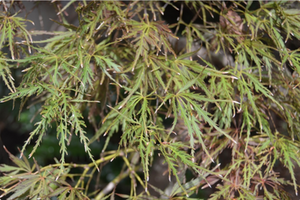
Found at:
[9, 24]
[22, 164]
[288, 150]
[20, 191]
[5, 73]
[217, 95]
[7, 168]
[152, 34]
[58, 191]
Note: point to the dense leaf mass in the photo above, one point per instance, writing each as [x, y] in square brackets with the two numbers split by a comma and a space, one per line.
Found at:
[222, 77]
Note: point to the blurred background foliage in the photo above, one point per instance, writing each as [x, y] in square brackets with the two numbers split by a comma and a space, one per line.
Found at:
[149, 99]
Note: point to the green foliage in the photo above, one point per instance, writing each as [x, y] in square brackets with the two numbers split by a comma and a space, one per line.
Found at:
[120, 72]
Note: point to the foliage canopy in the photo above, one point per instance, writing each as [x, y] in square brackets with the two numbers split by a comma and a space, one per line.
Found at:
[120, 72]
